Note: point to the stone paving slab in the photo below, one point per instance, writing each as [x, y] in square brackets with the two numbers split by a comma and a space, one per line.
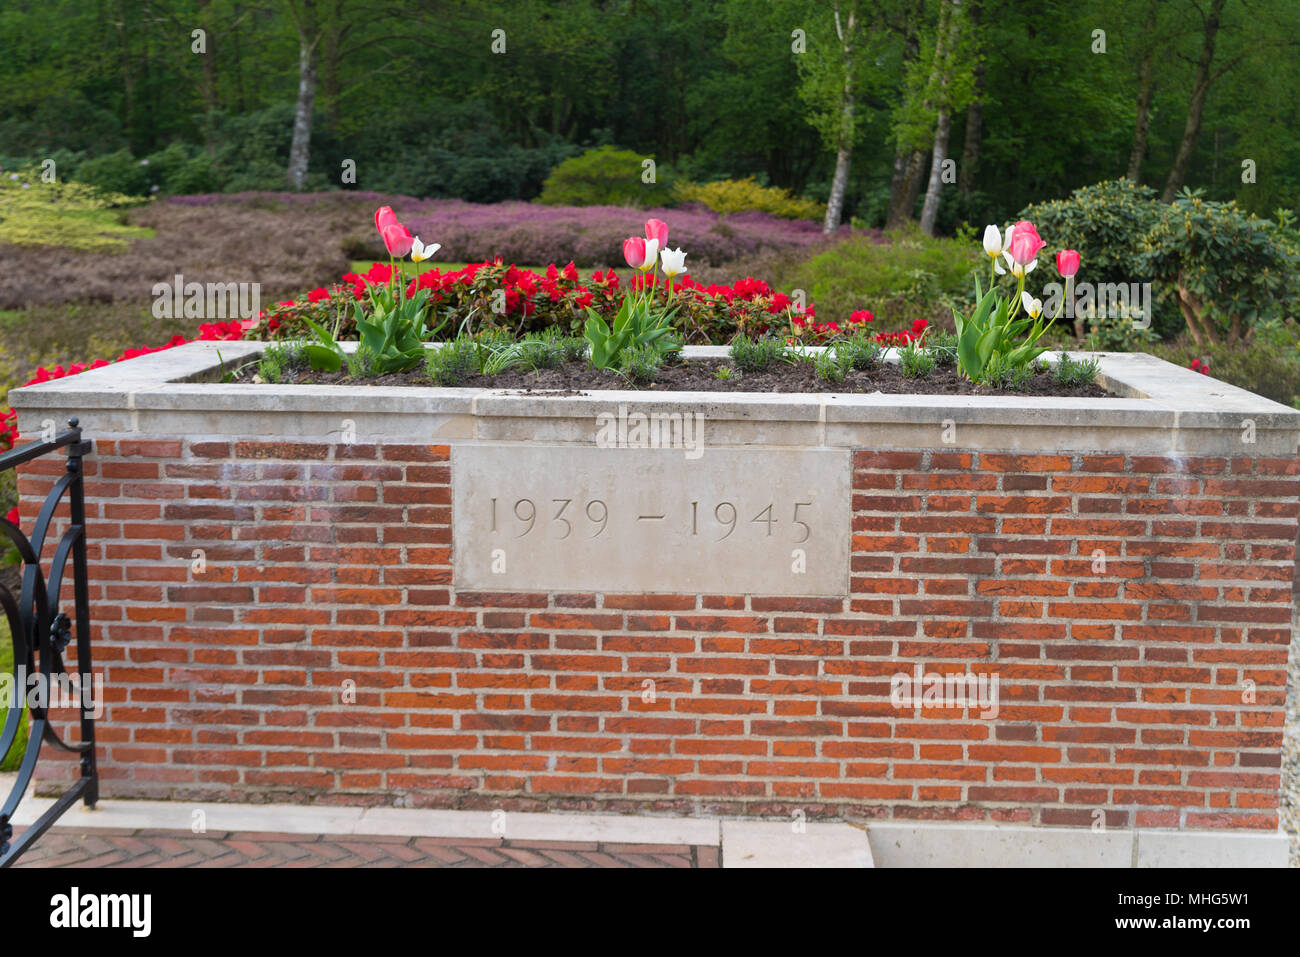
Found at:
[159, 847]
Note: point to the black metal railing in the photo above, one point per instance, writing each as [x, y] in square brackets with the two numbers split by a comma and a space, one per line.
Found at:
[41, 634]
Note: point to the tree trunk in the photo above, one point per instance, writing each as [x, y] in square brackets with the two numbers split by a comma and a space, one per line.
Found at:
[1202, 329]
[905, 185]
[331, 71]
[844, 150]
[124, 31]
[1146, 92]
[835, 205]
[299, 151]
[909, 188]
[930, 211]
[970, 154]
[209, 77]
[1196, 106]
[946, 40]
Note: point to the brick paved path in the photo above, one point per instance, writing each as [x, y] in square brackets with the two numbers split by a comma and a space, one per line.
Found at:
[70, 847]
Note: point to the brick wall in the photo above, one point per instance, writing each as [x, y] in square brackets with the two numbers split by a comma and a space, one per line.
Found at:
[1149, 689]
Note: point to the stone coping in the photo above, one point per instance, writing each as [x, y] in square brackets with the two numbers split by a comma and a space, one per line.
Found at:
[1158, 408]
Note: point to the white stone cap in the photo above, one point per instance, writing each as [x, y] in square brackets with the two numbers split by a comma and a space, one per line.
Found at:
[1158, 408]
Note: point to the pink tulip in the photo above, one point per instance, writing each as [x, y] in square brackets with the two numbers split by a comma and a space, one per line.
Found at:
[398, 239]
[1067, 262]
[1025, 243]
[384, 216]
[634, 251]
[657, 229]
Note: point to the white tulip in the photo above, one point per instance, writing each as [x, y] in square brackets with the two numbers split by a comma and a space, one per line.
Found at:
[421, 252]
[1033, 307]
[992, 241]
[673, 262]
[651, 254]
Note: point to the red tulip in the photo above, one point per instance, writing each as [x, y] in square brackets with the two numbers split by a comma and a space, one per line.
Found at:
[634, 251]
[657, 229]
[1025, 242]
[398, 239]
[384, 216]
[1067, 262]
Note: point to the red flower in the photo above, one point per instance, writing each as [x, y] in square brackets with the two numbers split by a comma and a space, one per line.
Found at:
[860, 315]
[318, 295]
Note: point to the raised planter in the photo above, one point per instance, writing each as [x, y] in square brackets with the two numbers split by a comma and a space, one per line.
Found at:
[464, 598]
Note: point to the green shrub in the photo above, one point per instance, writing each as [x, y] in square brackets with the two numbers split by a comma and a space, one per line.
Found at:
[1074, 373]
[1117, 334]
[755, 355]
[915, 362]
[606, 176]
[641, 364]
[180, 169]
[1230, 270]
[833, 364]
[1215, 269]
[118, 172]
[863, 351]
[540, 351]
[451, 362]
[911, 277]
[76, 215]
[1012, 378]
[281, 358]
[743, 195]
[942, 347]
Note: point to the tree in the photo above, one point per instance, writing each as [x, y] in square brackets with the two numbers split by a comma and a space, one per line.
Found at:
[909, 155]
[1268, 31]
[1145, 92]
[950, 85]
[845, 33]
[970, 154]
[303, 13]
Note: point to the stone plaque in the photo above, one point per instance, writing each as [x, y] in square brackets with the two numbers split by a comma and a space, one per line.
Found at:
[728, 521]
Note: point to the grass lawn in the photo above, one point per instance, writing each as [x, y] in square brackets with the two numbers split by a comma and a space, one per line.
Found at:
[11, 762]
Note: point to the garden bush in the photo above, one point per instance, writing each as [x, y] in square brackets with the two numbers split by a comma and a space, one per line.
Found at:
[74, 215]
[1105, 223]
[117, 172]
[1228, 270]
[908, 277]
[1215, 270]
[606, 176]
[745, 195]
[180, 169]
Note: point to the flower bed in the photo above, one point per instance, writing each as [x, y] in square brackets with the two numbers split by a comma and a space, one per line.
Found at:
[313, 588]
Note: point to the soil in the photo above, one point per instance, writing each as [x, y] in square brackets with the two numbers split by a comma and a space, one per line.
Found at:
[699, 375]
